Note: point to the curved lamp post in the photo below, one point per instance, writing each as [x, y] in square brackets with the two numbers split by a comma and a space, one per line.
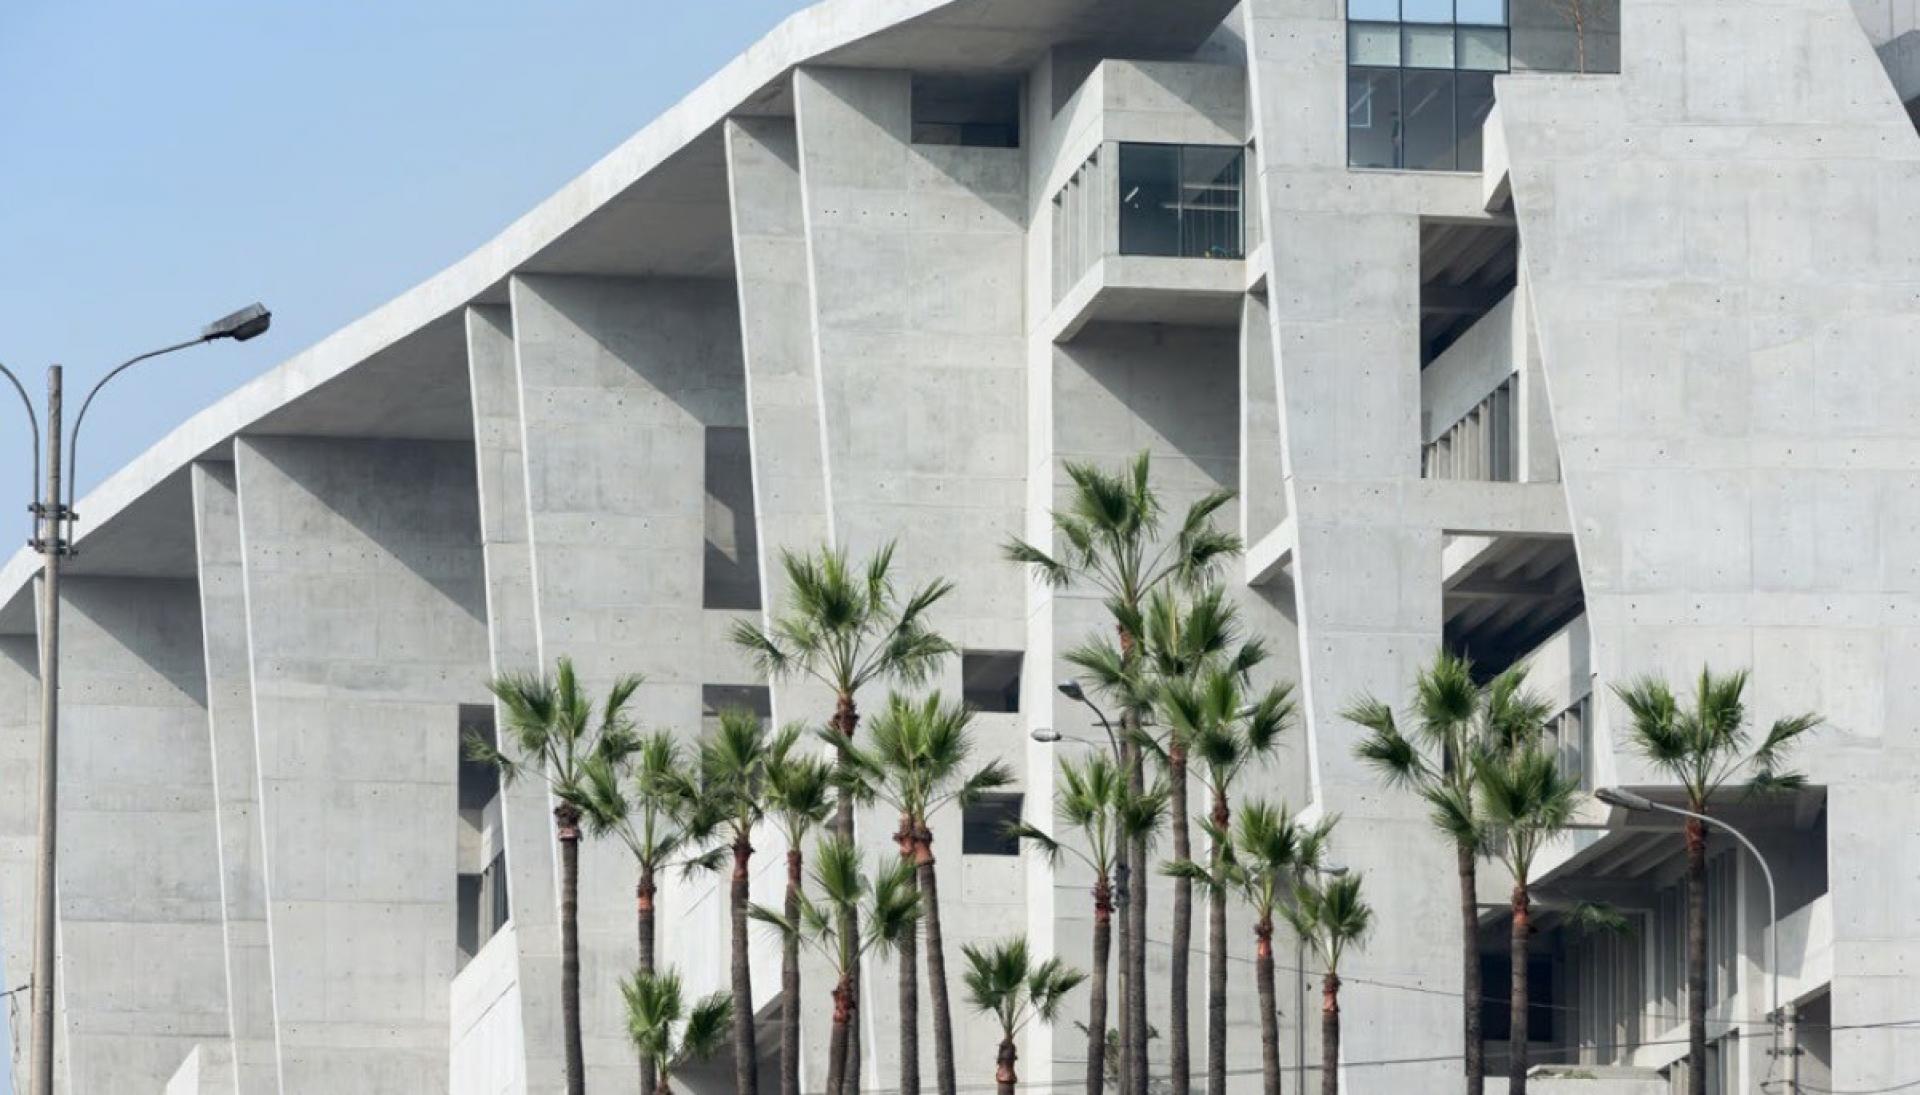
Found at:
[53, 538]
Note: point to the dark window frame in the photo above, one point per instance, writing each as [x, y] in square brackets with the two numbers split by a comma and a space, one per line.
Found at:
[1466, 83]
[1183, 245]
[980, 835]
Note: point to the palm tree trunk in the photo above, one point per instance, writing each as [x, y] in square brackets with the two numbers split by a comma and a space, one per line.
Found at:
[909, 979]
[1466, 864]
[1217, 962]
[746, 1061]
[1330, 1034]
[643, 895]
[936, 959]
[1179, 1057]
[1121, 890]
[837, 1042]
[1097, 988]
[846, 720]
[1696, 953]
[1517, 1005]
[1269, 1006]
[1138, 1063]
[790, 983]
[567, 823]
[1004, 1074]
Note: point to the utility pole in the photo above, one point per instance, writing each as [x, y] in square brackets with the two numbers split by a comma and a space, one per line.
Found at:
[49, 525]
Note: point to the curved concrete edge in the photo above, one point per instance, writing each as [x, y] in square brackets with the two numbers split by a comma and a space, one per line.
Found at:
[803, 36]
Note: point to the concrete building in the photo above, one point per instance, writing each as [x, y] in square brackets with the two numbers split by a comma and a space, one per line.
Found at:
[1611, 371]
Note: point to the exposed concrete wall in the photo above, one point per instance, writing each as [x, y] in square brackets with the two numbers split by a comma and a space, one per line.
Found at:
[1263, 489]
[366, 607]
[1546, 37]
[143, 966]
[254, 1054]
[514, 646]
[19, 820]
[1468, 371]
[1741, 483]
[488, 1044]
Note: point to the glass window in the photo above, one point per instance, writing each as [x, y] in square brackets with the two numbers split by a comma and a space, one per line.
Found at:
[1386, 10]
[990, 680]
[1428, 47]
[1427, 101]
[1482, 12]
[984, 825]
[1373, 117]
[1210, 202]
[1483, 49]
[1473, 102]
[1149, 206]
[1426, 11]
[1373, 44]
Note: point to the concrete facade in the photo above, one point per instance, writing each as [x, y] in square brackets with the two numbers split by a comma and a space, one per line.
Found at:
[1631, 397]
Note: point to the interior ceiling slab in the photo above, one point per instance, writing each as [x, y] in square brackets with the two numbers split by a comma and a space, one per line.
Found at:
[674, 222]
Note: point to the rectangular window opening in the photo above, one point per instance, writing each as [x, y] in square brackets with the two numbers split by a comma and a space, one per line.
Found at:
[990, 680]
[986, 824]
[1420, 81]
[1183, 201]
[480, 907]
[730, 576]
[756, 699]
[972, 111]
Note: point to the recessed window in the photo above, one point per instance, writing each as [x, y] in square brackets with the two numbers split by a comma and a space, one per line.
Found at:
[731, 574]
[715, 698]
[987, 826]
[480, 886]
[1182, 201]
[1420, 81]
[974, 111]
[990, 680]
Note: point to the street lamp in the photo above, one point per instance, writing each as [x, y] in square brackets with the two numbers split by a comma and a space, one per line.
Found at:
[1070, 688]
[1778, 1019]
[53, 537]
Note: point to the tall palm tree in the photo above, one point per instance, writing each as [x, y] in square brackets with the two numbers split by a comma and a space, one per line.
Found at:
[1704, 749]
[1331, 917]
[800, 794]
[666, 1031]
[654, 821]
[1211, 713]
[1455, 725]
[733, 787]
[917, 764]
[846, 627]
[1094, 802]
[552, 730]
[1526, 801]
[1113, 539]
[1264, 856]
[890, 908]
[1005, 982]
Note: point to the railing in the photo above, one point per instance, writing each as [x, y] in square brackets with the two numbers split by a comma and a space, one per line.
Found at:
[1481, 445]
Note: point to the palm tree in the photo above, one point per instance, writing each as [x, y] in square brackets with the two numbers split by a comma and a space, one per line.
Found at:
[1264, 856]
[1526, 801]
[799, 799]
[733, 786]
[1114, 540]
[846, 628]
[666, 1031]
[1331, 917]
[1002, 980]
[553, 730]
[1211, 714]
[1456, 724]
[1703, 749]
[890, 908]
[916, 764]
[1095, 803]
[654, 822]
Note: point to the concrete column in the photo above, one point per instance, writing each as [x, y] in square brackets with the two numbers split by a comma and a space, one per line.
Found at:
[143, 968]
[366, 608]
[254, 1055]
[19, 823]
[1262, 487]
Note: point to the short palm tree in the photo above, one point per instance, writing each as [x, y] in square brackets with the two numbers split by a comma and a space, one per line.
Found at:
[1703, 750]
[1112, 537]
[1211, 712]
[1331, 917]
[1526, 801]
[652, 815]
[1094, 802]
[1264, 856]
[889, 908]
[666, 1031]
[733, 786]
[917, 763]
[1455, 725]
[800, 794]
[846, 627]
[553, 729]
[1005, 982]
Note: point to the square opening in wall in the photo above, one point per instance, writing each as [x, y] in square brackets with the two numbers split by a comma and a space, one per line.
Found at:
[990, 680]
[976, 111]
[985, 826]
[715, 698]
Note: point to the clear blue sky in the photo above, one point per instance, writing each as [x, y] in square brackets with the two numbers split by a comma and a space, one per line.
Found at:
[162, 164]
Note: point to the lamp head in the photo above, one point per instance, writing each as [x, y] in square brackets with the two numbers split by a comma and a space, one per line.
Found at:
[1626, 800]
[242, 325]
[1071, 689]
[1045, 735]
[1334, 870]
